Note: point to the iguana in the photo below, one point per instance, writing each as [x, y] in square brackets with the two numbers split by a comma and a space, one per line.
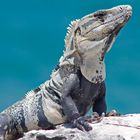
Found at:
[78, 82]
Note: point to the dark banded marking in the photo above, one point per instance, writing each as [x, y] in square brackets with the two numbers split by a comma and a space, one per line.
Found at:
[22, 120]
[37, 90]
[42, 120]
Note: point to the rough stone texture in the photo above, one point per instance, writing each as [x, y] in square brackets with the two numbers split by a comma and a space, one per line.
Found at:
[126, 127]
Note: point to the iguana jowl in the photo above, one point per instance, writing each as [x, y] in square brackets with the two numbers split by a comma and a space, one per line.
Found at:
[78, 82]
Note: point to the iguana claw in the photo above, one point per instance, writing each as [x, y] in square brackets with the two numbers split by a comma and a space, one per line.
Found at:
[113, 113]
[82, 124]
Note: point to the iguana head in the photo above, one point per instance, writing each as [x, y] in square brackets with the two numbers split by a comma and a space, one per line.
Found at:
[92, 36]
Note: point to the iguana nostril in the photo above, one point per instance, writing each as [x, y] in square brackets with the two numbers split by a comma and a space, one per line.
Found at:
[121, 9]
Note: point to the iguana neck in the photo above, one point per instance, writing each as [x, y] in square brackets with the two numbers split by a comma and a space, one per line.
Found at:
[92, 66]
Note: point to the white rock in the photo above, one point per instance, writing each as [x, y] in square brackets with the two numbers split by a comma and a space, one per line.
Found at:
[126, 127]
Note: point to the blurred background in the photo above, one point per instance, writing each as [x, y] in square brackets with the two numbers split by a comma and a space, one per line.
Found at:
[32, 40]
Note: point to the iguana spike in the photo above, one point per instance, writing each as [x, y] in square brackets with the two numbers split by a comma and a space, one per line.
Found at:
[70, 29]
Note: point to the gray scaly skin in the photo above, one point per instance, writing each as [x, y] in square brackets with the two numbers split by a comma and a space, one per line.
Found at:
[76, 85]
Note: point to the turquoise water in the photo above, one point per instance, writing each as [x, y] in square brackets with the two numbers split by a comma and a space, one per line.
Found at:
[31, 42]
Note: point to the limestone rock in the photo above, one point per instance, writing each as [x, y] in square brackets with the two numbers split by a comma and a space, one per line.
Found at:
[126, 127]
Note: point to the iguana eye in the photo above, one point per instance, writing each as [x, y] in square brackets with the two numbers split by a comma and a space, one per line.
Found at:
[100, 14]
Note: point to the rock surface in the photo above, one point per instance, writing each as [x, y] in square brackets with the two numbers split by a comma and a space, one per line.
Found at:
[125, 127]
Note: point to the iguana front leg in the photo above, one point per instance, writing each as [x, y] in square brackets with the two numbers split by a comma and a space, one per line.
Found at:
[100, 104]
[69, 106]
